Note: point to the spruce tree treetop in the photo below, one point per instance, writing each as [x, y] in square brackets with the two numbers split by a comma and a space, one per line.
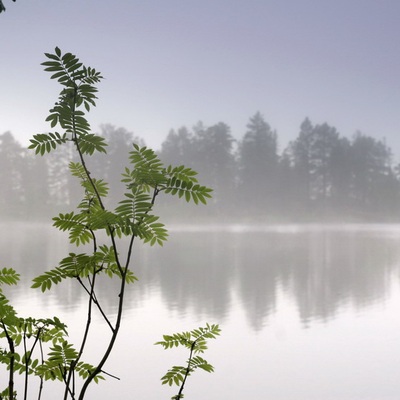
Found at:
[2, 8]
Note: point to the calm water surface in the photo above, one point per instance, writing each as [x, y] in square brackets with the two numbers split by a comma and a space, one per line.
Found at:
[307, 312]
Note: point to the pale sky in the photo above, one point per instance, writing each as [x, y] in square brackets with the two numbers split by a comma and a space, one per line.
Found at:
[169, 63]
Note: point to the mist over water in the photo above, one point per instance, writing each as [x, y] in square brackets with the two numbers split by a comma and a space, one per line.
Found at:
[288, 258]
[296, 256]
[310, 305]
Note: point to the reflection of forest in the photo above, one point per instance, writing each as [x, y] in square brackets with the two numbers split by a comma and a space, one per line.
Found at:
[318, 176]
[322, 271]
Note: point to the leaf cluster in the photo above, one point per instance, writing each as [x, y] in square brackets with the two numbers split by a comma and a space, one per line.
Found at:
[195, 339]
[79, 91]
[23, 335]
[182, 181]
[8, 276]
[149, 175]
[8, 316]
[196, 342]
[176, 375]
[61, 361]
[83, 266]
[133, 215]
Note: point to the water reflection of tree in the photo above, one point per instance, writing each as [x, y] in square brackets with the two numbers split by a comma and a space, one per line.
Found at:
[195, 274]
[212, 274]
[335, 271]
[261, 269]
[323, 272]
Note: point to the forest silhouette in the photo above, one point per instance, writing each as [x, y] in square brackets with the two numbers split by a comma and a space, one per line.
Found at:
[320, 176]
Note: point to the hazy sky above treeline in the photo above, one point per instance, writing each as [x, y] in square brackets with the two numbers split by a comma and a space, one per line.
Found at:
[169, 63]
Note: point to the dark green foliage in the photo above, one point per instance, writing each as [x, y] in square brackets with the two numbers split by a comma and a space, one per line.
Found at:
[61, 361]
[79, 90]
[182, 181]
[8, 276]
[26, 334]
[133, 218]
[45, 142]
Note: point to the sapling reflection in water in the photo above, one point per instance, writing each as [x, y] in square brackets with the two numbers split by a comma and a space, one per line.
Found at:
[40, 348]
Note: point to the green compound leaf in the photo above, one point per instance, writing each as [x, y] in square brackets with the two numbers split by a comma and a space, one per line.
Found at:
[182, 181]
[198, 362]
[89, 143]
[45, 142]
[174, 376]
[45, 281]
[76, 224]
[151, 231]
[9, 276]
[148, 169]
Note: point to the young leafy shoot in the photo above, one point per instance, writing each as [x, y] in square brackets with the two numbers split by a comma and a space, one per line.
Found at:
[196, 342]
[78, 91]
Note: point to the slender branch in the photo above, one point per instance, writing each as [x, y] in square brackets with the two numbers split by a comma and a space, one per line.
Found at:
[67, 380]
[117, 326]
[110, 375]
[27, 359]
[41, 377]
[124, 271]
[82, 159]
[96, 302]
[187, 372]
[130, 248]
[26, 365]
[78, 148]
[91, 292]
[89, 315]
[12, 362]
[110, 346]
[88, 321]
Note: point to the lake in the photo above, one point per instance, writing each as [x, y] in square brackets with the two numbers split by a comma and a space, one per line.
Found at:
[307, 312]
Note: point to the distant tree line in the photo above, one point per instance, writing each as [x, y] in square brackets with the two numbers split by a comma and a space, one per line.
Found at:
[318, 176]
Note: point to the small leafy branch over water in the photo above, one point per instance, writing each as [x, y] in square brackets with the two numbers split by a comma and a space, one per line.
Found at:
[39, 347]
[196, 342]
